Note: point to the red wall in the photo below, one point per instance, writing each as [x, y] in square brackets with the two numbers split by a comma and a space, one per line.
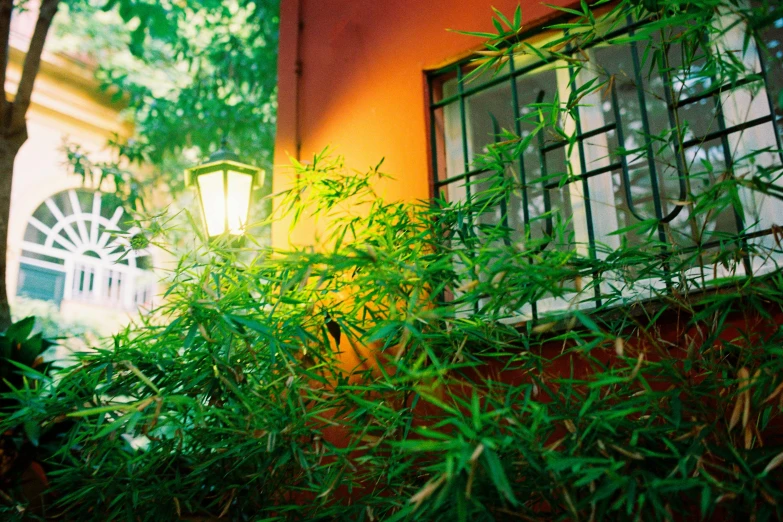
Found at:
[362, 86]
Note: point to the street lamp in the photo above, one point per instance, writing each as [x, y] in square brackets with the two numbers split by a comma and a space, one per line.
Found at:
[225, 187]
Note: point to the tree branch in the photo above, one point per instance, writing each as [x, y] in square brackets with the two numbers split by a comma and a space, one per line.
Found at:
[32, 63]
[6, 9]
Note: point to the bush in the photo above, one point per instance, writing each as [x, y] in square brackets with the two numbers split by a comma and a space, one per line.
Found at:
[383, 376]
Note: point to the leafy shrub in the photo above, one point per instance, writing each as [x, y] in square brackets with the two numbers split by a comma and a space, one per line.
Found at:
[383, 376]
[25, 442]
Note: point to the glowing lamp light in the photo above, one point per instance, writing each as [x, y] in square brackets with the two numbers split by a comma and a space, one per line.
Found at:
[225, 189]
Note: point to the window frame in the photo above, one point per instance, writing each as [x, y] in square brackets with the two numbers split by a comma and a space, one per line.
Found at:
[436, 78]
[80, 230]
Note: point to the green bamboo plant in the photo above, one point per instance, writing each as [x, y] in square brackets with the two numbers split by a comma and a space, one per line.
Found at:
[384, 376]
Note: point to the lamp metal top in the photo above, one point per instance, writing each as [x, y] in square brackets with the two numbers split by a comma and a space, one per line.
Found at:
[223, 154]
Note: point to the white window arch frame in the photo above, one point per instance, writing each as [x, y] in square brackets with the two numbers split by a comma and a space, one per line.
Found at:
[89, 249]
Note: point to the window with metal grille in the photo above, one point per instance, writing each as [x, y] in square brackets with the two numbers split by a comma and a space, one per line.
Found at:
[624, 167]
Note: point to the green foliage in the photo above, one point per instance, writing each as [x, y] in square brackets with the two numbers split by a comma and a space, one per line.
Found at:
[201, 69]
[23, 376]
[189, 73]
[391, 375]
[21, 351]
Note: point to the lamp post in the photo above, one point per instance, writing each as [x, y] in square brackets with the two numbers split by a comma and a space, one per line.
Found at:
[225, 187]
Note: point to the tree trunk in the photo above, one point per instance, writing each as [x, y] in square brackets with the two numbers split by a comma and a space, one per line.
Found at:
[9, 147]
[13, 125]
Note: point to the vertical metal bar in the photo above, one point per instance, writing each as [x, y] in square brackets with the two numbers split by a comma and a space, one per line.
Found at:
[434, 152]
[653, 170]
[585, 187]
[729, 159]
[433, 140]
[673, 122]
[465, 159]
[682, 171]
[464, 129]
[775, 127]
[503, 203]
[647, 133]
[526, 233]
[544, 173]
[623, 158]
[521, 159]
[466, 163]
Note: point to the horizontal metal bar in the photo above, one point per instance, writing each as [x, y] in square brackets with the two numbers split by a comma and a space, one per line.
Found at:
[537, 30]
[587, 135]
[587, 175]
[729, 130]
[458, 177]
[595, 172]
[719, 242]
[494, 81]
[713, 92]
[554, 146]
[595, 132]
[524, 70]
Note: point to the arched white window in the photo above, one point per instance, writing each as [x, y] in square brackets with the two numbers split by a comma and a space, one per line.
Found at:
[71, 251]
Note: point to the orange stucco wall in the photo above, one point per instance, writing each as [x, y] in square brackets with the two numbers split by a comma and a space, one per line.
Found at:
[361, 86]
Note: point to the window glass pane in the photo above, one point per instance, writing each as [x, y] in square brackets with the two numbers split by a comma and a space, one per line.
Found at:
[490, 207]
[85, 200]
[452, 132]
[42, 257]
[486, 76]
[439, 151]
[642, 204]
[549, 204]
[537, 166]
[595, 106]
[45, 216]
[34, 235]
[65, 239]
[490, 117]
[644, 123]
[40, 283]
[533, 89]
[63, 202]
[772, 53]
[686, 66]
[455, 191]
[752, 161]
[714, 219]
[600, 150]
[699, 118]
[551, 216]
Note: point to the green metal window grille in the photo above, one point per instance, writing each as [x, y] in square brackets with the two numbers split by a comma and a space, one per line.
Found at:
[649, 181]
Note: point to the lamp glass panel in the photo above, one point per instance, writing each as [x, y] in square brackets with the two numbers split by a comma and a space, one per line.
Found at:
[238, 200]
[213, 202]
